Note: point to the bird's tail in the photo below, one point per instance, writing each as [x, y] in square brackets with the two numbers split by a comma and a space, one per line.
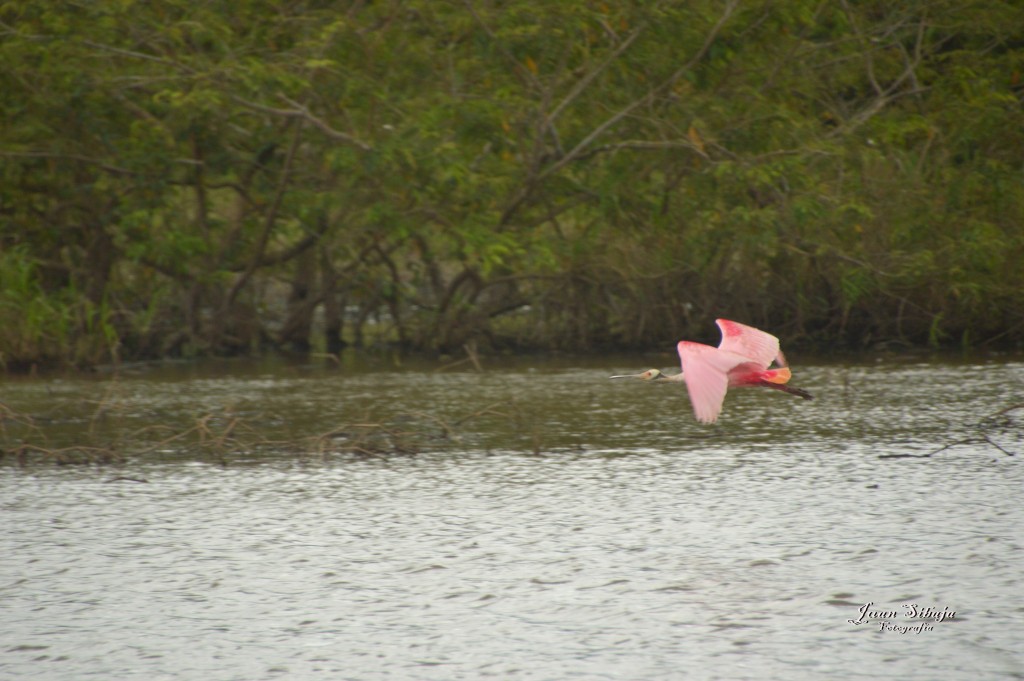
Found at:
[779, 376]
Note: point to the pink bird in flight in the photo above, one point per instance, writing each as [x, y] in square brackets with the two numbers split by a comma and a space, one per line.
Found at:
[741, 360]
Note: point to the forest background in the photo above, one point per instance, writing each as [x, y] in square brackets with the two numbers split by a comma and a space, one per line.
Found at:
[183, 178]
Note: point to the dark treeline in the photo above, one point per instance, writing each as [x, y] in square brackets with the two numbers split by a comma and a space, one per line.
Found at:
[186, 178]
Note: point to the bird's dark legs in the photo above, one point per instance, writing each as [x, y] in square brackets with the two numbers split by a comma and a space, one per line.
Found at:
[787, 389]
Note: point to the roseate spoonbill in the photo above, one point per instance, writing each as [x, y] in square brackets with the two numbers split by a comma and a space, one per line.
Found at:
[741, 360]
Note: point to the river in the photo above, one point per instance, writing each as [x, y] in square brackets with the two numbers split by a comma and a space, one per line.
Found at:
[529, 521]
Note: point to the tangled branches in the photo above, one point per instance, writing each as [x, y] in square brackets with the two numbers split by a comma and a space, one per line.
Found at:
[224, 435]
[1002, 421]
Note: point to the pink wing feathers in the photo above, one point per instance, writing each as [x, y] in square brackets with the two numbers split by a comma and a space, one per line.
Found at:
[758, 346]
[706, 373]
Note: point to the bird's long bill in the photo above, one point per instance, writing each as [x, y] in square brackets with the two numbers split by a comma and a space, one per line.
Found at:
[648, 375]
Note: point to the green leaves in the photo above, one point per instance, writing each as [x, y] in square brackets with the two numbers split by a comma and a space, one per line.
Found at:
[631, 166]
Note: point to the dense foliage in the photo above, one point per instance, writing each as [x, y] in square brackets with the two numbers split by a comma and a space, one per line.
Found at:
[186, 178]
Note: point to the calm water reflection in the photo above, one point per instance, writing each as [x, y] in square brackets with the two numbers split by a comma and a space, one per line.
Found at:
[635, 544]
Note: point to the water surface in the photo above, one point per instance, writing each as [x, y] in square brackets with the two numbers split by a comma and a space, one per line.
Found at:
[551, 525]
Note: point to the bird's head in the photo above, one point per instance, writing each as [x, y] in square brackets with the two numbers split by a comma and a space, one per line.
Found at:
[649, 375]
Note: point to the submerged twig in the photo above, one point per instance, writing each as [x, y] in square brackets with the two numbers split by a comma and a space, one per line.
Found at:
[489, 409]
[472, 357]
[226, 432]
[982, 437]
[77, 454]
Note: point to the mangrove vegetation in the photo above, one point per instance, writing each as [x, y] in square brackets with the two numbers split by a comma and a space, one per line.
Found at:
[180, 179]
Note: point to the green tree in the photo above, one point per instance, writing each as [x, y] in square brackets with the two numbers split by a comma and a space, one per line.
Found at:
[182, 178]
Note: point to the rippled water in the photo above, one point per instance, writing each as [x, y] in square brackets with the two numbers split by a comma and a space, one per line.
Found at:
[579, 529]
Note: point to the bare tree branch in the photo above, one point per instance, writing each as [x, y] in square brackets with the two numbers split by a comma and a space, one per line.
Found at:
[645, 144]
[270, 220]
[103, 165]
[302, 112]
[138, 55]
[582, 83]
[582, 145]
[889, 94]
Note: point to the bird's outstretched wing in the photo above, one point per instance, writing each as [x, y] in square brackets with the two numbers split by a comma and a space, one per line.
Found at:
[706, 372]
[754, 344]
